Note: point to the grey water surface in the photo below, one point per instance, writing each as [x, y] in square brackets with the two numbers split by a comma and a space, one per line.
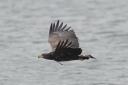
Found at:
[102, 28]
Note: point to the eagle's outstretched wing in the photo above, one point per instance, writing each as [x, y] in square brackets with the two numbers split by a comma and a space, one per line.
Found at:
[59, 32]
[64, 47]
[64, 51]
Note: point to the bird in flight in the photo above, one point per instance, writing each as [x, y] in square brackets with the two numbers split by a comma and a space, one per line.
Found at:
[64, 44]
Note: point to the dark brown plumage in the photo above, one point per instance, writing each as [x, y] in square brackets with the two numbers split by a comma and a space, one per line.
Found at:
[64, 52]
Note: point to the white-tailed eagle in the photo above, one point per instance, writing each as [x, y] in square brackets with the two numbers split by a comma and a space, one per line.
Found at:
[64, 43]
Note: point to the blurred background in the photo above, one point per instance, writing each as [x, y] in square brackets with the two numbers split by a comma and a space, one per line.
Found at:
[101, 26]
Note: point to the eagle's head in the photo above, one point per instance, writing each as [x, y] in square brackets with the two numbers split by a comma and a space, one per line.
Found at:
[46, 56]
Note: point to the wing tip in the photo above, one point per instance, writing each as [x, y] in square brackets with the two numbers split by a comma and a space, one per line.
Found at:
[64, 44]
[58, 26]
